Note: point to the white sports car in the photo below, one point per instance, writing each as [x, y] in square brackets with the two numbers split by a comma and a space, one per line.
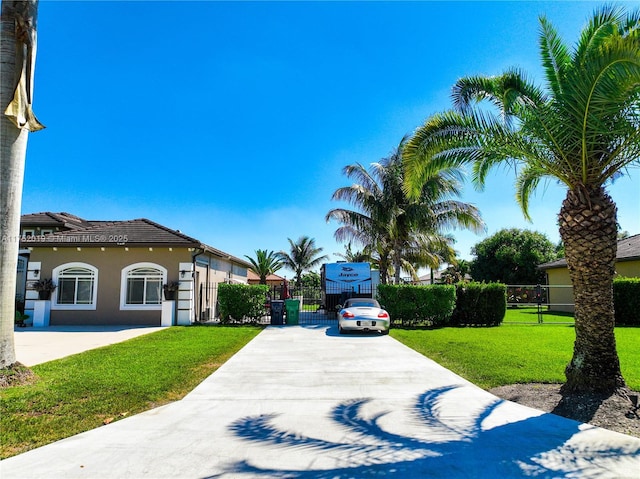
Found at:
[363, 314]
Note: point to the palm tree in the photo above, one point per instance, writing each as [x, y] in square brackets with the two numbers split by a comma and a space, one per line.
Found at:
[455, 272]
[303, 256]
[358, 256]
[399, 229]
[367, 225]
[428, 250]
[583, 131]
[17, 63]
[264, 264]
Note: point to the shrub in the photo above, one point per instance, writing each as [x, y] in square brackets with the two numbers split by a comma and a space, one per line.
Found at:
[241, 302]
[412, 306]
[480, 304]
[626, 301]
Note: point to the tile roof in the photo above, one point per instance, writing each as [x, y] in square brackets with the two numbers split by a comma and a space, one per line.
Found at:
[251, 276]
[137, 232]
[628, 250]
[54, 219]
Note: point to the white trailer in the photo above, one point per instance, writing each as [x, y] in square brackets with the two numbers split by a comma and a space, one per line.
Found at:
[346, 280]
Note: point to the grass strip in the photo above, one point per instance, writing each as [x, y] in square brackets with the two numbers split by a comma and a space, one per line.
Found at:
[510, 354]
[87, 390]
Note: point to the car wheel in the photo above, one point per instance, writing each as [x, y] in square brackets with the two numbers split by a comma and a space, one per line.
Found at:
[340, 330]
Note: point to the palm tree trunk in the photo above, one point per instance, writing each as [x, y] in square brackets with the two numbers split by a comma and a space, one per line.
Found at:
[383, 266]
[17, 57]
[589, 231]
[397, 266]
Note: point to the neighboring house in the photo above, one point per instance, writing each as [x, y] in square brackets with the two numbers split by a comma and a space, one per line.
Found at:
[272, 279]
[113, 272]
[437, 278]
[426, 278]
[278, 286]
[560, 290]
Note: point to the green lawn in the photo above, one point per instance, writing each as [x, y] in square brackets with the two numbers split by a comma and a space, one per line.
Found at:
[529, 315]
[514, 353]
[84, 391]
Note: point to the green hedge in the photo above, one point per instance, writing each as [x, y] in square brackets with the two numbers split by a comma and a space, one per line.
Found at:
[412, 306]
[241, 302]
[626, 300]
[480, 304]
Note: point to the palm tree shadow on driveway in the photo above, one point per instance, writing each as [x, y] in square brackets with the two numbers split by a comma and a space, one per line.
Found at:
[534, 447]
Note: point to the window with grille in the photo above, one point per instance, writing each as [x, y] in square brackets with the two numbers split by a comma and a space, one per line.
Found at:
[76, 286]
[142, 286]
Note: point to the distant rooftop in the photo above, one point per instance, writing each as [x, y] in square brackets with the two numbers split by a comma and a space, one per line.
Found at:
[628, 250]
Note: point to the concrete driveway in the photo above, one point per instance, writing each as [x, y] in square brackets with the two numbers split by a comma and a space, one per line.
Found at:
[305, 402]
[39, 345]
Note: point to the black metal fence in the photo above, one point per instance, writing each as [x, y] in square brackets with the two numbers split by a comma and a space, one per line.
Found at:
[551, 296]
[318, 306]
[206, 301]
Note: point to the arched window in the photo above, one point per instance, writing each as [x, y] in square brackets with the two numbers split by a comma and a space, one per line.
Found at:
[77, 285]
[142, 286]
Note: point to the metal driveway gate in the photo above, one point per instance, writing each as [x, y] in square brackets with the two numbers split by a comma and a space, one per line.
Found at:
[311, 312]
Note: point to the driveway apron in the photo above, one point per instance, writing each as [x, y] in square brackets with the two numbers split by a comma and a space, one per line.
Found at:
[305, 402]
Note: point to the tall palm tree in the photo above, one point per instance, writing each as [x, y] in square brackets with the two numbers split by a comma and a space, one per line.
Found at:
[264, 264]
[368, 224]
[17, 63]
[401, 230]
[303, 256]
[582, 130]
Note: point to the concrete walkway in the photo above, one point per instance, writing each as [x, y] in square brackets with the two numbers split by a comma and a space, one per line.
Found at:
[305, 402]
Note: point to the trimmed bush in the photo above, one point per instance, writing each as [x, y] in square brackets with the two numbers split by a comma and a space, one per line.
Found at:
[414, 306]
[626, 301]
[241, 302]
[480, 304]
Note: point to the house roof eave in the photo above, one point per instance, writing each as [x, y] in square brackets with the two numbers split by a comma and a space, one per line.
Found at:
[628, 250]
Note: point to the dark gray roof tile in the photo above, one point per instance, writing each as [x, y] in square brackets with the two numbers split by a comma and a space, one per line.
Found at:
[628, 250]
[138, 232]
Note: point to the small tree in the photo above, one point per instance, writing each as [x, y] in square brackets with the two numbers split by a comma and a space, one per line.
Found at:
[512, 256]
[264, 264]
[456, 273]
[303, 256]
[311, 280]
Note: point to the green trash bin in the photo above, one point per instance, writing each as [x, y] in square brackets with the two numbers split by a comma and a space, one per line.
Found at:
[293, 310]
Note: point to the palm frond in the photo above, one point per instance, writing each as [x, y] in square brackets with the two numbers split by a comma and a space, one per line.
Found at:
[555, 56]
[605, 21]
[526, 183]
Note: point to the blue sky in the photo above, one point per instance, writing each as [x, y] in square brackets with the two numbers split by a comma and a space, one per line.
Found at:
[232, 121]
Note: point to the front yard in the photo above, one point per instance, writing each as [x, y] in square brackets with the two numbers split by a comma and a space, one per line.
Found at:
[84, 391]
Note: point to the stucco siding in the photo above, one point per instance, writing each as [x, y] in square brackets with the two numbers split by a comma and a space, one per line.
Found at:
[628, 269]
[561, 297]
[110, 263]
